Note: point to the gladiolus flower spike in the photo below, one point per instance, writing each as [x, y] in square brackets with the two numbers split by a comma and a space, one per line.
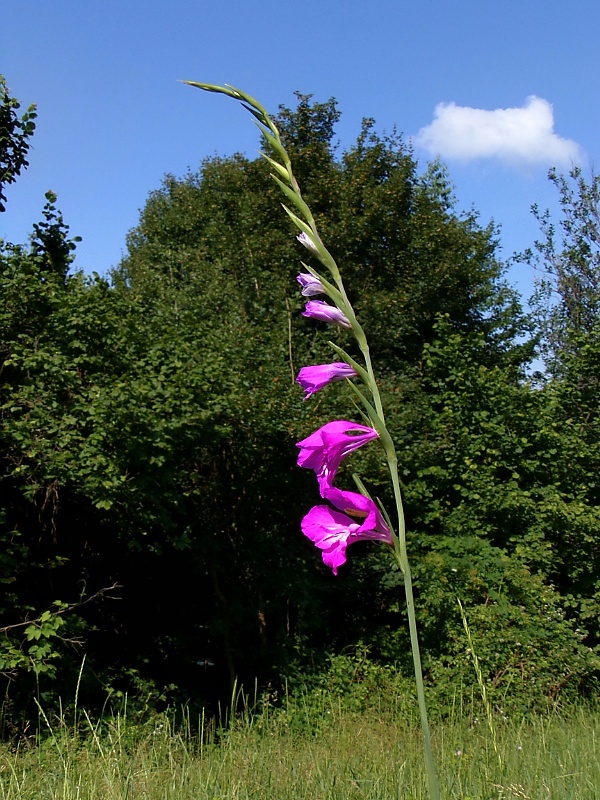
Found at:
[311, 379]
[354, 516]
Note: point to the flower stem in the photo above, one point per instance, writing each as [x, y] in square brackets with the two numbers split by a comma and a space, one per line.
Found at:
[414, 643]
[401, 554]
[289, 185]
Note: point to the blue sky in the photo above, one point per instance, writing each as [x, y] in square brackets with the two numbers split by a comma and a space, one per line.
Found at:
[113, 119]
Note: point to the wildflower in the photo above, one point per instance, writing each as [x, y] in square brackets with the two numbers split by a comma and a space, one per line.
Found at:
[311, 379]
[305, 239]
[319, 309]
[333, 532]
[310, 285]
[324, 449]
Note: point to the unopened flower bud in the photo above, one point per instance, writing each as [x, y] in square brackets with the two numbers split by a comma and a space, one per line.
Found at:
[305, 239]
[310, 285]
[319, 309]
[314, 378]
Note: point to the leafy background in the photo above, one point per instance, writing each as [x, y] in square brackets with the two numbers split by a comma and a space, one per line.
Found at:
[150, 501]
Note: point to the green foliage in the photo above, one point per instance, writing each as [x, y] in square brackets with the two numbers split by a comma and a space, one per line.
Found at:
[568, 296]
[344, 755]
[32, 280]
[503, 519]
[15, 132]
[573, 517]
[529, 653]
[351, 679]
[148, 426]
[35, 649]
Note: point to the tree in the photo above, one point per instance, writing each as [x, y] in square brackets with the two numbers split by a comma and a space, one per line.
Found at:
[568, 296]
[33, 283]
[503, 507]
[15, 133]
[212, 244]
[149, 424]
[568, 312]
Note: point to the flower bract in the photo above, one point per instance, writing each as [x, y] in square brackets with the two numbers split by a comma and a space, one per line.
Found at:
[311, 379]
[324, 449]
[319, 309]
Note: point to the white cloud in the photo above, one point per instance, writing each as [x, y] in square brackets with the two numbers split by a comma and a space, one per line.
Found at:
[514, 135]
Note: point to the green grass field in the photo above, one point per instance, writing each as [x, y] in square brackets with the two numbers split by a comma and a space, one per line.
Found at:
[297, 752]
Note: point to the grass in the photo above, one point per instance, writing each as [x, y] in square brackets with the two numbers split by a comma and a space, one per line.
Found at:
[301, 752]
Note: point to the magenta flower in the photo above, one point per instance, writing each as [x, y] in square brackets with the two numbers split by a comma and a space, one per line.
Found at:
[319, 309]
[311, 379]
[361, 508]
[310, 285]
[324, 449]
[333, 532]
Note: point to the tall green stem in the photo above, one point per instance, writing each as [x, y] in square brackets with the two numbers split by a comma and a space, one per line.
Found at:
[402, 559]
[306, 223]
[400, 551]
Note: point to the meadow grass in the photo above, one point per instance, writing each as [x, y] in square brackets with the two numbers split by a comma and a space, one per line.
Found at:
[300, 752]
